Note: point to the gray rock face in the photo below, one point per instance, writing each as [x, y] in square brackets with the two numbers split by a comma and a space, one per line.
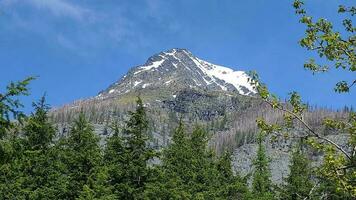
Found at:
[279, 155]
[178, 69]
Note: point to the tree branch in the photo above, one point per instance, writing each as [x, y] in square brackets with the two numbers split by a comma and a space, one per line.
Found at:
[309, 128]
[311, 191]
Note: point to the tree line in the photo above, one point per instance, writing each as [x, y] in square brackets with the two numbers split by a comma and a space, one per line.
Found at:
[35, 164]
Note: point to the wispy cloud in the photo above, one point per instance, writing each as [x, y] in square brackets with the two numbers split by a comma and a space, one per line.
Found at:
[80, 26]
[61, 8]
[58, 8]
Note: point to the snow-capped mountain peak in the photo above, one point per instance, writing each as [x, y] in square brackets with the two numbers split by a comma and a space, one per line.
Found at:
[179, 69]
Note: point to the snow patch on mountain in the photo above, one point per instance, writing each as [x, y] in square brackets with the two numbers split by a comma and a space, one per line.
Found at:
[236, 78]
[153, 65]
[168, 82]
[137, 83]
[145, 85]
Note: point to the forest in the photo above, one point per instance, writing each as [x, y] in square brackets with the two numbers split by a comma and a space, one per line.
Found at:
[35, 164]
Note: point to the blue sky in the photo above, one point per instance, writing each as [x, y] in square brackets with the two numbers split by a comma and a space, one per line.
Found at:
[79, 47]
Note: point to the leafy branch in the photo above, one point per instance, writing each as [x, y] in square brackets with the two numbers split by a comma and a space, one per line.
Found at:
[9, 103]
[338, 162]
[321, 36]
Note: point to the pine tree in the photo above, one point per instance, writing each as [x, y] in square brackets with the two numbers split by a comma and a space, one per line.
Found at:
[299, 184]
[39, 132]
[190, 170]
[83, 155]
[172, 177]
[135, 168]
[114, 159]
[204, 182]
[233, 186]
[37, 173]
[261, 185]
[97, 186]
[10, 104]
[10, 145]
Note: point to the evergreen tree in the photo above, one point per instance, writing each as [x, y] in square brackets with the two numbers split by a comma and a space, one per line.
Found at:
[233, 186]
[204, 183]
[83, 155]
[137, 153]
[299, 184]
[9, 104]
[10, 145]
[190, 170]
[114, 159]
[171, 178]
[37, 173]
[97, 186]
[261, 185]
[39, 132]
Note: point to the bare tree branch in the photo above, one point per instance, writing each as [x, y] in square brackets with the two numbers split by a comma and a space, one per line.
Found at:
[309, 128]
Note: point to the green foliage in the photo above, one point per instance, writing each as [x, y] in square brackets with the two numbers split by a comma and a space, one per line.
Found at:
[233, 186]
[329, 190]
[38, 131]
[190, 170]
[299, 184]
[9, 104]
[36, 171]
[83, 155]
[338, 163]
[114, 156]
[261, 184]
[97, 186]
[337, 49]
[132, 155]
[9, 112]
[175, 172]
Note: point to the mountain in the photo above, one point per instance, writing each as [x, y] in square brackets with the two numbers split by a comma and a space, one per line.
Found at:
[176, 85]
[179, 69]
[172, 84]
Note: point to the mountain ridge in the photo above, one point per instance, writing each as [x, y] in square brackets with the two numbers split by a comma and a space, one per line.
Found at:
[179, 68]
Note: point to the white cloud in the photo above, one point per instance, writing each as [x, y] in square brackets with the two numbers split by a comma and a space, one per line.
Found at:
[58, 8]
[61, 8]
[86, 27]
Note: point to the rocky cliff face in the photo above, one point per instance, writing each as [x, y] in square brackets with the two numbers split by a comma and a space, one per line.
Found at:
[279, 155]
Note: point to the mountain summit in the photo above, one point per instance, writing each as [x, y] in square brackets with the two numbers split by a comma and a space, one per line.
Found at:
[179, 69]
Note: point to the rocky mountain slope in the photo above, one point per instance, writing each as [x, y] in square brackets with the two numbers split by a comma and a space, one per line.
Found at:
[172, 84]
[176, 84]
[179, 69]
